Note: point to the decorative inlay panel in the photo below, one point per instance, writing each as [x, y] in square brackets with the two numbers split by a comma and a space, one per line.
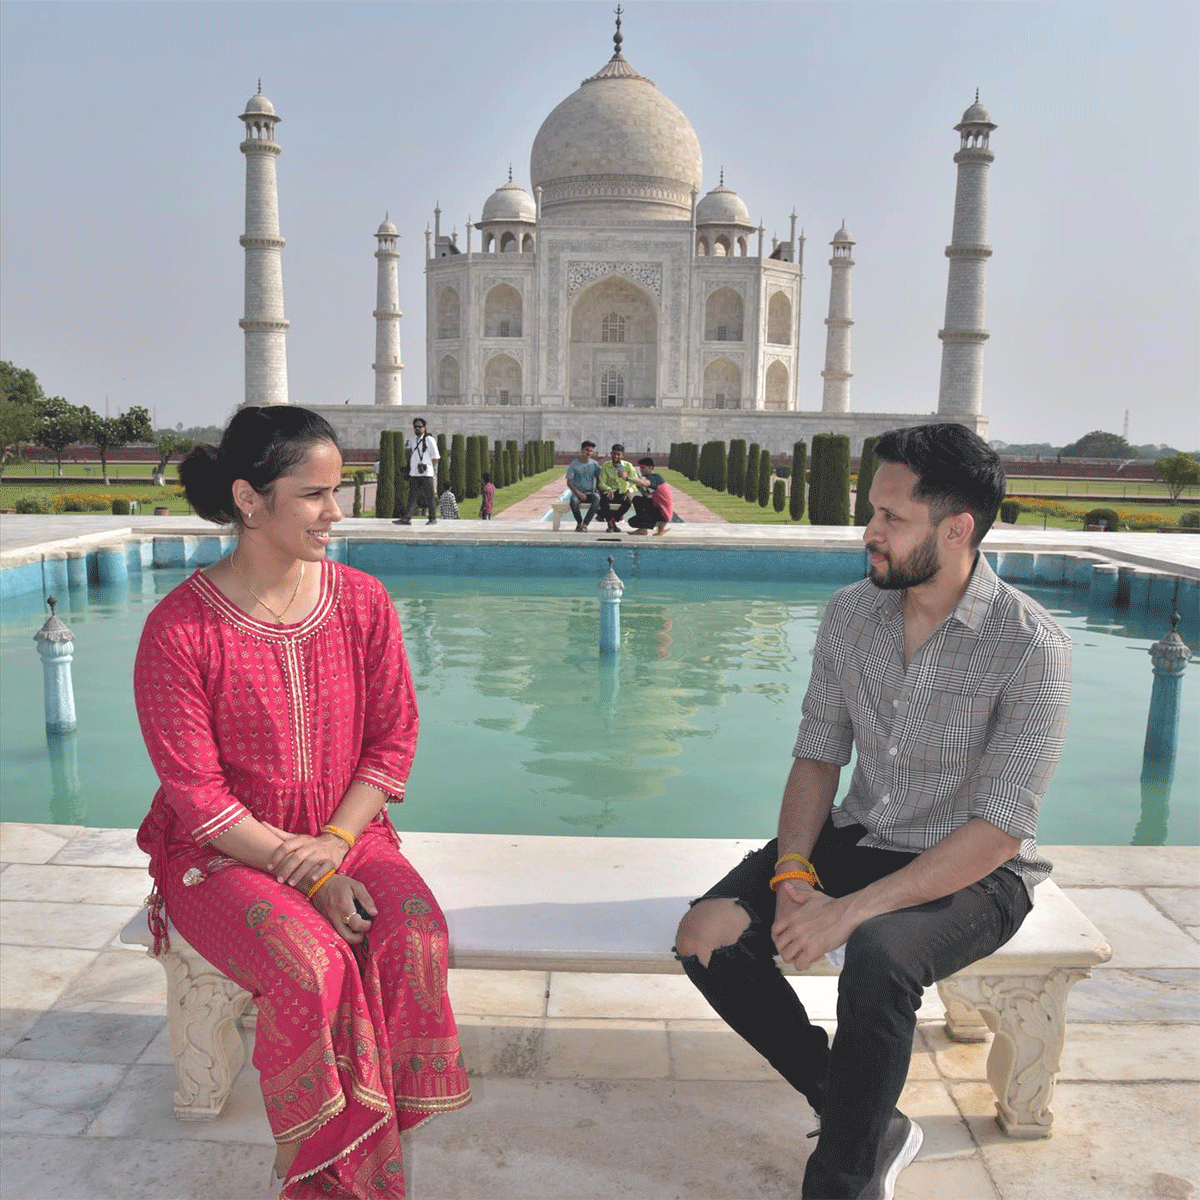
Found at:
[647, 274]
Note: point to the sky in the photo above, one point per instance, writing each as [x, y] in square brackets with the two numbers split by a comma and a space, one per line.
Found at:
[122, 186]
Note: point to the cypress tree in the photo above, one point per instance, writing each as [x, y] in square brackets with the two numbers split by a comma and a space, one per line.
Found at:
[816, 483]
[399, 473]
[385, 485]
[512, 466]
[693, 460]
[443, 466]
[735, 466]
[778, 497]
[749, 489]
[458, 466]
[473, 485]
[718, 466]
[796, 499]
[499, 465]
[829, 493]
[764, 478]
[863, 510]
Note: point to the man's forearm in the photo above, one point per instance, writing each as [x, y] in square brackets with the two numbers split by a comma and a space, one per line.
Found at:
[807, 800]
[960, 859]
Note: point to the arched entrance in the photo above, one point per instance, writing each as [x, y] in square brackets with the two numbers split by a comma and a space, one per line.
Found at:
[614, 346]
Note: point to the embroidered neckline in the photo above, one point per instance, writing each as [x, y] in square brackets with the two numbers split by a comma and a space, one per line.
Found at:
[266, 630]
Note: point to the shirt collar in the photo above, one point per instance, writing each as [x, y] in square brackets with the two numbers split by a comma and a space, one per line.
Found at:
[970, 610]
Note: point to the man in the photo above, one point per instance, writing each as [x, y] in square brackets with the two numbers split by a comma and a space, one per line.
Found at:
[654, 504]
[448, 504]
[953, 687]
[583, 474]
[422, 472]
[618, 482]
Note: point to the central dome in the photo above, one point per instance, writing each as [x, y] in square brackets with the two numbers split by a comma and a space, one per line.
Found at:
[616, 149]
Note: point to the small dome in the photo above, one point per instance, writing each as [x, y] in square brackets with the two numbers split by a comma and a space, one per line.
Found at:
[259, 105]
[977, 114]
[842, 236]
[387, 229]
[722, 206]
[510, 202]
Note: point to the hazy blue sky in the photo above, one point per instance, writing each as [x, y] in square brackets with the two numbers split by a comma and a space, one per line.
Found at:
[121, 184]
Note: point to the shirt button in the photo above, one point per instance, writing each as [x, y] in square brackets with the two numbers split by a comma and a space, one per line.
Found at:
[892, 750]
[895, 703]
[886, 800]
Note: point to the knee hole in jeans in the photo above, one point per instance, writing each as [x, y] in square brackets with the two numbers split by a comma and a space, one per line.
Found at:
[709, 925]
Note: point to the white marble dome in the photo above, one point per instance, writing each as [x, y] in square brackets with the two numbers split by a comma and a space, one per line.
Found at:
[259, 105]
[977, 115]
[510, 202]
[616, 148]
[722, 206]
[842, 235]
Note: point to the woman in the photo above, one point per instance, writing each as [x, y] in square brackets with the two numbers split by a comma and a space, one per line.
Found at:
[277, 708]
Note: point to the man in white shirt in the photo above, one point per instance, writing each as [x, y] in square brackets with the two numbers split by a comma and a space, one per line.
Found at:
[422, 471]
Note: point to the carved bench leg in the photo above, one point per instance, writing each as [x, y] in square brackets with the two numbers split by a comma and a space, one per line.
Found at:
[203, 1007]
[1028, 1016]
[963, 1022]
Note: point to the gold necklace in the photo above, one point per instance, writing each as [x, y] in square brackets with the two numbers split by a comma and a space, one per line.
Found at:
[277, 615]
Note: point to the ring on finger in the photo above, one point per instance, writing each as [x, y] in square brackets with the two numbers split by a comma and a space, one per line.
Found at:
[346, 918]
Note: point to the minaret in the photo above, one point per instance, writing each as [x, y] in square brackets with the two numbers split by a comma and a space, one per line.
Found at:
[387, 314]
[264, 322]
[837, 373]
[960, 393]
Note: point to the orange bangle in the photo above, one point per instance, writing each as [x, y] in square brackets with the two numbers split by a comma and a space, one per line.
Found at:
[316, 887]
[808, 877]
[348, 838]
[793, 857]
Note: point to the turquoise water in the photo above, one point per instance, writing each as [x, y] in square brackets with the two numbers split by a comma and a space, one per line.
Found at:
[525, 729]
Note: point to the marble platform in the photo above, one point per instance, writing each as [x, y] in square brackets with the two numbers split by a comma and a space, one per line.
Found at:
[588, 1085]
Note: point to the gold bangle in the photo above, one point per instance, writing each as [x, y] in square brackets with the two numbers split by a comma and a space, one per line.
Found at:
[793, 857]
[348, 838]
[808, 877]
[316, 887]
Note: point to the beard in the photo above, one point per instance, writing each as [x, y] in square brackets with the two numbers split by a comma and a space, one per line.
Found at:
[918, 568]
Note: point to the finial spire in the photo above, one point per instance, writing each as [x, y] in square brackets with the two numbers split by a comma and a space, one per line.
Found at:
[510, 172]
[722, 183]
[260, 85]
[617, 38]
[976, 95]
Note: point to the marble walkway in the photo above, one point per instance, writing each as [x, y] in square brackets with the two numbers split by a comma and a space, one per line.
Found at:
[588, 1086]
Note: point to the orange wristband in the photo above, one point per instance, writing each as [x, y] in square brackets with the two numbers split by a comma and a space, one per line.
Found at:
[792, 857]
[316, 887]
[348, 838]
[783, 876]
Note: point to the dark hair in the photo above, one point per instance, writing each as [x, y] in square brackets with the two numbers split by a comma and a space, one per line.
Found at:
[645, 462]
[258, 445]
[420, 421]
[486, 477]
[957, 471]
[617, 446]
[584, 445]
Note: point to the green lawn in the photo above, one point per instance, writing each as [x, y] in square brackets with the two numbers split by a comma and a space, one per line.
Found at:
[729, 508]
[1022, 485]
[468, 510]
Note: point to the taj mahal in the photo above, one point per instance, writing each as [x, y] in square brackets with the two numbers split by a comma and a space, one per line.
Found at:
[615, 300]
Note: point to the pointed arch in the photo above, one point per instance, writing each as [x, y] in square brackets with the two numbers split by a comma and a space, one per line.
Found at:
[502, 380]
[502, 312]
[614, 326]
[777, 388]
[723, 316]
[722, 384]
[448, 313]
[779, 320]
[448, 386]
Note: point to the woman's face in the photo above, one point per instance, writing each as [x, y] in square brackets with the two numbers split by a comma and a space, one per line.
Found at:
[295, 519]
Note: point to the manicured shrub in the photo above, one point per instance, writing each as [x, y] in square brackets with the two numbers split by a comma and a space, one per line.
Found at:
[443, 466]
[475, 454]
[399, 473]
[385, 483]
[1010, 510]
[511, 466]
[120, 506]
[719, 479]
[863, 508]
[1109, 516]
[749, 488]
[32, 502]
[735, 467]
[764, 477]
[829, 491]
[799, 468]
[458, 464]
[779, 495]
[783, 471]
[1189, 518]
[499, 465]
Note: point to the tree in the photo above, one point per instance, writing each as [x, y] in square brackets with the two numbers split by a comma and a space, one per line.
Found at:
[60, 424]
[864, 510]
[458, 466]
[1178, 471]
[1099, 444]
[443, 466]
[17, 424]
[764, 477]
[796, 498]
[735, 466]
[168, 445]
[385, 485]
[829, 492]
[474, 485]
[749, 488]
[19, 385]
[111, 433]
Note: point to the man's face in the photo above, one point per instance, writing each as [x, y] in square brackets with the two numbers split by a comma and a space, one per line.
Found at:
[418, 428]
[902, 542]
[585, 452]
[617, 455]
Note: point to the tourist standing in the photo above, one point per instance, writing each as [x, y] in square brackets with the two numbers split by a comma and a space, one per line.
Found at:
[953, 687]
[422, 473]
[489, 498]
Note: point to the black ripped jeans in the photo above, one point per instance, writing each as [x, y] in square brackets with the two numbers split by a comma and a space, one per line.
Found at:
[890, 960]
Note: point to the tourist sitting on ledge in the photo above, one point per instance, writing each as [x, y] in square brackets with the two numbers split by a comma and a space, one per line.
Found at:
[618, 483]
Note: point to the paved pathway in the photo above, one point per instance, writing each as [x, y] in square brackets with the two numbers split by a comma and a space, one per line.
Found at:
[533, 507]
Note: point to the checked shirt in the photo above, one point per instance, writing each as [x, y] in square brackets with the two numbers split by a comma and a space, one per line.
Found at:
[973, 728]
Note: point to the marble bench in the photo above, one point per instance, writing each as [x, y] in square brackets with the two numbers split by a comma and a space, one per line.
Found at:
[612, 905]
[558, 510]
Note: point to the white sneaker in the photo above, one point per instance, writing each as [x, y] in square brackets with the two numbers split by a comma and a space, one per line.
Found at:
[902, 1139]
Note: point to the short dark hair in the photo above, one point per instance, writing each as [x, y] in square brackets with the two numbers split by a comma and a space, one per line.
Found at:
[486, 477]
[617, 446]
[956, 470]
[585, 445]
[419, 421]
[645, 462]
[259, 445]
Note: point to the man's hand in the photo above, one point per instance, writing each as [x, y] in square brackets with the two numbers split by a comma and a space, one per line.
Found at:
[335, 902]
[808, 924]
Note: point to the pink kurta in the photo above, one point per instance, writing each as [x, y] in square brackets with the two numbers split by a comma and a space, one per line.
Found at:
[242, 717]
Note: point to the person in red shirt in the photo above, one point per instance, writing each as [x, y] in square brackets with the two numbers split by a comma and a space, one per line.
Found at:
[654, 505]
[489, 496]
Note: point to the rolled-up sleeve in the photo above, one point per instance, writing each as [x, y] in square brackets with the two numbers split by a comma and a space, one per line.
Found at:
[1025, 740]
[390, 719]
[826, 732]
